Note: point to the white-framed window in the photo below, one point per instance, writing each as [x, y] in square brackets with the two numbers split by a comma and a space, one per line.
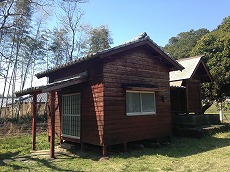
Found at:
[140, 103]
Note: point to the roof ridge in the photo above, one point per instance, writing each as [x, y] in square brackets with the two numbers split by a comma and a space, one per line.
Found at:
[141, 37]
[188, 58]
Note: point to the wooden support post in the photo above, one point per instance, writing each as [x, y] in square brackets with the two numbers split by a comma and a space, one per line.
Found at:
[104, 151]
[82, 147]
[34, 122]
[52, 124]
[170, 138]
[125, 147]
[158, 140]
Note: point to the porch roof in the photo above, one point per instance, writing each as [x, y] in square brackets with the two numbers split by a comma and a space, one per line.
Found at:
[79, 78]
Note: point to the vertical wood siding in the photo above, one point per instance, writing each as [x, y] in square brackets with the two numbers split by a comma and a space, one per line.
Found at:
[178, 100]
[193, 96]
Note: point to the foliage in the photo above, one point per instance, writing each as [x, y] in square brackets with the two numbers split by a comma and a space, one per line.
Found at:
[16, 48]
[181, 45]
[59, 46]
[71, 21]
[214, 109]
[99, 39]
[183, 154]
[215, 47]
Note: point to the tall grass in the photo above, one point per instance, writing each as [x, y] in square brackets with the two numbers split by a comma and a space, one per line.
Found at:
[23, 119]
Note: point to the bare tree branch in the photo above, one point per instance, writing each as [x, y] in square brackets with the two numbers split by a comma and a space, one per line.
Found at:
[71, 21]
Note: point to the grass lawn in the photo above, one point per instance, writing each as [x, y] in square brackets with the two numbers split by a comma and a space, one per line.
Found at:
[214, 110]
[211, 153]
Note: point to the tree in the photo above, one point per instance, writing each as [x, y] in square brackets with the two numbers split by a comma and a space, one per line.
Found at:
[71, 22]
[181, 45]
[59, 46]
[99, 39]
[216, 48]
[15, 36]
[27, 44]
[18, 43]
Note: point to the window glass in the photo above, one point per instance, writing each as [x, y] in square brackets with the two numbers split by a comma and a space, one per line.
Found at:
[140, 103]
[133, 102]
[148, 102]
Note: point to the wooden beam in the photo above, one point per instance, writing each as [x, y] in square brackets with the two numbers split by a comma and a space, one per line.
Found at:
[34, 121]
[146, 89]
[52, 126]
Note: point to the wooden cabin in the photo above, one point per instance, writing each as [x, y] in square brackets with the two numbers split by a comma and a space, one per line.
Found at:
[185, 85]
[114, 96]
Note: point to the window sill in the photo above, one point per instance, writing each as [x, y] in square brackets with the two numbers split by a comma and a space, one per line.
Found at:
[140, 114]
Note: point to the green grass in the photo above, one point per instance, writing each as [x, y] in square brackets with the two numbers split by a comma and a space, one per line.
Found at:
[214, 109]
[20, 145]
[211, 153]
[226, 113]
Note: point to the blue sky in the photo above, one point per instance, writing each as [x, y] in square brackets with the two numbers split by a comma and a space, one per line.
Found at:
[161, 19]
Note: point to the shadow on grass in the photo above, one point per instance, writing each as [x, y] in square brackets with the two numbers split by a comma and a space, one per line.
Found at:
[8, 160]
[182, 147]
[179, 147]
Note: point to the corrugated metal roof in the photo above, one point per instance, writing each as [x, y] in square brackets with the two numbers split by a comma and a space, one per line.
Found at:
[54, 85]
[189, 64]
[140, 38]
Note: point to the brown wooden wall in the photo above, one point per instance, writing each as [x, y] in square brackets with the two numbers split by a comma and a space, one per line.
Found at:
[193, 96]
[103, 99]
[188, 99]
[178, 100]
[134, 67]
[91, 100]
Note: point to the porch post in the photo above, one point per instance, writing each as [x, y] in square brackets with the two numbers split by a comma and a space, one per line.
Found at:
[104, 151]
[34, 121]
[187, 98]
[125, 147]
[52, 123]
